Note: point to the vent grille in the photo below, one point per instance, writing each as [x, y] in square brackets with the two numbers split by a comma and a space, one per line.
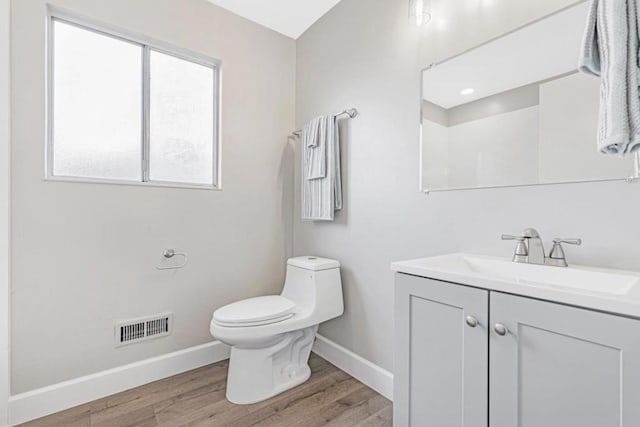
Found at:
[142, 329]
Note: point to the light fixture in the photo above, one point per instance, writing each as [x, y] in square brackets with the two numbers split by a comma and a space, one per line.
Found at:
[467, 91]
[419, 12]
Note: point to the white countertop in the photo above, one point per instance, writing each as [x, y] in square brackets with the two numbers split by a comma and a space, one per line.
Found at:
[613, 291]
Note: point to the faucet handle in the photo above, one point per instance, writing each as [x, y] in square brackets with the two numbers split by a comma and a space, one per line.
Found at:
[558, 241]
[522, 252]
[556, 256]
[512, 237]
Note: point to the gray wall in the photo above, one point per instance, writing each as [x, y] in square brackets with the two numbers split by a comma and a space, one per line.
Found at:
[85, 254]
[501, 103]
[563, 135]
[366, 54]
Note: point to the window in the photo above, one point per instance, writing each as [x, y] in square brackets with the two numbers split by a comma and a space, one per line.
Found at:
[123, 110]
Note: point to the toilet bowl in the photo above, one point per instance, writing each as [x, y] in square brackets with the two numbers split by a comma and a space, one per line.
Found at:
[271, 336]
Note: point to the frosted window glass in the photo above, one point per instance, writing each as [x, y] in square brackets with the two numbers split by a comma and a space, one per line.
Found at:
[97, 111]
[181, 120]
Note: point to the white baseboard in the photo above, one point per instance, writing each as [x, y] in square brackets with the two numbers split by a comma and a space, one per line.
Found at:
[57, 397]
[358, 367]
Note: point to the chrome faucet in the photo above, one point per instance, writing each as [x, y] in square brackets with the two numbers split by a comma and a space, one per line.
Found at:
[530, 249]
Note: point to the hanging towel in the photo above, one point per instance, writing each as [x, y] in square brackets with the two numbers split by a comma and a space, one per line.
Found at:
[610, 50]
[314, 142]
[321, 192]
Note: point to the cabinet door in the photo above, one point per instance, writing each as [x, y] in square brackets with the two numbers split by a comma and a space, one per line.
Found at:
[441, 362]
[560, 366]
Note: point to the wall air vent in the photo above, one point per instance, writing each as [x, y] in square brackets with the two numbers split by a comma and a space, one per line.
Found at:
[142, 329]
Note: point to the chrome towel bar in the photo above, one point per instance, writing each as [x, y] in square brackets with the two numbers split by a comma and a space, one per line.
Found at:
[352, 113]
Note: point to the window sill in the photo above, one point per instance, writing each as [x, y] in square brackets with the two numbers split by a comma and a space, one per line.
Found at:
[156, 184]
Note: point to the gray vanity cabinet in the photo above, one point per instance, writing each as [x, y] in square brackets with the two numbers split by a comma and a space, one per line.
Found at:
[559, 366]
[441, 358]
[469, 357]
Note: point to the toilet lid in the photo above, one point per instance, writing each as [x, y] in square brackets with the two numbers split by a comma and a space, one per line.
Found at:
[255, 311]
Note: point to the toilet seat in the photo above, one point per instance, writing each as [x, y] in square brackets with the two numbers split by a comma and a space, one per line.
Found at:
[255, 311]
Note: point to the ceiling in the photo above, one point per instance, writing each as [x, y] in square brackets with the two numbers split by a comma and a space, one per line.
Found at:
[544, 49]
[288, 17]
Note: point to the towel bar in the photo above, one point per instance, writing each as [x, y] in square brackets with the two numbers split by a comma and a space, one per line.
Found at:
[352, 113]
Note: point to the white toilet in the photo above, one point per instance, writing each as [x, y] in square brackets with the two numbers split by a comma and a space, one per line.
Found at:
[271, 336]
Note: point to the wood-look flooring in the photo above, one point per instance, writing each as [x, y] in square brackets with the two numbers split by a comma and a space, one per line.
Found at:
[197, 398]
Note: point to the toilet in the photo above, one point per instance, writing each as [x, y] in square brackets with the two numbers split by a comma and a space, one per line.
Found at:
[271, 336]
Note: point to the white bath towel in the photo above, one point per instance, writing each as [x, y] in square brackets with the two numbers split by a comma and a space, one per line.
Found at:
[610, 50]
[321, 195]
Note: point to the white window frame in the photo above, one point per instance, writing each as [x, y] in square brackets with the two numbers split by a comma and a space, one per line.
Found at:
[147, 44]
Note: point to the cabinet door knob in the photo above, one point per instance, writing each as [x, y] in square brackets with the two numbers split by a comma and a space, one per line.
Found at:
[471, 321]
[500, 329]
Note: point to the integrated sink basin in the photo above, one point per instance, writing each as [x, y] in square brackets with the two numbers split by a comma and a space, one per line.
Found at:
[539, 275]
[609, 290]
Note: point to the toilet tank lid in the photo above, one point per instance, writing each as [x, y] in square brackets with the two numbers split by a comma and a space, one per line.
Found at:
[313, 263]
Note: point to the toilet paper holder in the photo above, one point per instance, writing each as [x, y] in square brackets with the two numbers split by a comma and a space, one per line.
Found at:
[169, 254]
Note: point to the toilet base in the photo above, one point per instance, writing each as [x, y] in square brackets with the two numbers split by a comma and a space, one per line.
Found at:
[258, 373]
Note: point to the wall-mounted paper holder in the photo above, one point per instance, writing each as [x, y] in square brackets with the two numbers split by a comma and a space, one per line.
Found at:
[170, 253]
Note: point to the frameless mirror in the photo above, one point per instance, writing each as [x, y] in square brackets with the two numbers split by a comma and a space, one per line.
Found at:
[515, 111]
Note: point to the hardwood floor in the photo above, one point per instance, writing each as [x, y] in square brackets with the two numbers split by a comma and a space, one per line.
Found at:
[197, 398]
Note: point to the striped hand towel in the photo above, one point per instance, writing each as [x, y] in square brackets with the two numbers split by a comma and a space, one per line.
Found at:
[321, 178]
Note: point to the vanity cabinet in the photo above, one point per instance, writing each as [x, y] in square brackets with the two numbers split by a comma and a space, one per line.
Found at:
[560, 366]
[470, 357]
[441, 362]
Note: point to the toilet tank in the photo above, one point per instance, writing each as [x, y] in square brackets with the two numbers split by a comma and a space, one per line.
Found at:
[314, 285]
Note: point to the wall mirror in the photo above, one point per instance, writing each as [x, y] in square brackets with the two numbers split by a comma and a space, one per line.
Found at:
[515, 111]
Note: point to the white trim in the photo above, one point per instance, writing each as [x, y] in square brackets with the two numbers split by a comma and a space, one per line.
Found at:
[357, 366]
[133, 183]
[5, 202]
[130, 36]
[146, 113]
[51, 399]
